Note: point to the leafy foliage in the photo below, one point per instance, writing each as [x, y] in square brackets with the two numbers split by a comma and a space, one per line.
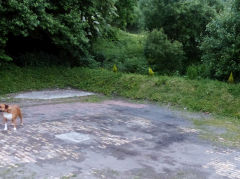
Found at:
[192, 72]
[184, 21]
[164, 55]
[68, 25]
[197, 71]
[125, 13]
[125, 50]
[221, 47]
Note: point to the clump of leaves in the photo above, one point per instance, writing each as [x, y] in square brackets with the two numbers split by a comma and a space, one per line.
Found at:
[220, 48]
[69, 25]
[163, 54]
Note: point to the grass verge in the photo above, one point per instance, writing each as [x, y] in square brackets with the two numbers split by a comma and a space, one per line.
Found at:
[220, 130]
[195, 95]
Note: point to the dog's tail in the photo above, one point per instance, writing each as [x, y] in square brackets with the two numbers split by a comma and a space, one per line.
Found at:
[20, 116]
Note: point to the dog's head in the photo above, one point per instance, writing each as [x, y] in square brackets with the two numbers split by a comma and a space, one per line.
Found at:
[3, 107]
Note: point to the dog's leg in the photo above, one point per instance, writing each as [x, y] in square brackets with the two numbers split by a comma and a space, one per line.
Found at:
[15, 123]
[20, 116]
[5, 124]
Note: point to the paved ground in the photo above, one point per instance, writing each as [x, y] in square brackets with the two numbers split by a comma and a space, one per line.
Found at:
[110, 139]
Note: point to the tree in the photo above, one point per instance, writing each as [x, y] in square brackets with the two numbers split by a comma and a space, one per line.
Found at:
[65, 25]
[125, 13]
[184, 21]
[221, 45]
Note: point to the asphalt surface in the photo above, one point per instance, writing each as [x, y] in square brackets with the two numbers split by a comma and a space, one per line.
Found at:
[113, 139]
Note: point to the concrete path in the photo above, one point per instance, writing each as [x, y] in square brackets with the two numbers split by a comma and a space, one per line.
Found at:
[109, 139]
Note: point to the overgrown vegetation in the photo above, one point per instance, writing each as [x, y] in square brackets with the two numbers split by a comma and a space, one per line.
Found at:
[183, 21]
[64, 28]
[221, 46]
[165, 56]
[126, 15]
[195, 95]
[199, 38]
[126, 50]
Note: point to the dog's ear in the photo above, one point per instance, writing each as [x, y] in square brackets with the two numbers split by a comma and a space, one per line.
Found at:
[6, 106]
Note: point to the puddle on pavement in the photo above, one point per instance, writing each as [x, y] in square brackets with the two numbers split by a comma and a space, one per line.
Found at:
[52, 94]
[73, 137]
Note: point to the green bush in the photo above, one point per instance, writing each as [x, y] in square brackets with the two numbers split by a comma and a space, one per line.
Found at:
[192, 72]
[197, 71]
[164, 55]
[126, 13]
[136, 65]
[128, 65]
[125, 50]
[181, 20]
[63, 25]
[39, 58]
[221, 46]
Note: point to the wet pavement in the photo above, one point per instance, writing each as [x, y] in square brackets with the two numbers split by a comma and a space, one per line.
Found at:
[52, 94]
[110, 139]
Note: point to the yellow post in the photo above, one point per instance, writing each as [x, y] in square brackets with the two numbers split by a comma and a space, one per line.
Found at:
[115, 68]
[150, 71]
[231, 79]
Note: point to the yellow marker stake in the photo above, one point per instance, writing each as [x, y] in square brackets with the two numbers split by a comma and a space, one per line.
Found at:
[115, 68]
[150, 71]
[231, 79]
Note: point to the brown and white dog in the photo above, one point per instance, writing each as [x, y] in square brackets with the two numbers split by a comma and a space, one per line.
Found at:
[11, 112]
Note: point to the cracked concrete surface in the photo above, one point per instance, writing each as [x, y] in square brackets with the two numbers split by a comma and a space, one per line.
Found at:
[122, 140]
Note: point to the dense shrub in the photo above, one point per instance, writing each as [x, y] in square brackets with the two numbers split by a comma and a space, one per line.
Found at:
[221, 47]
[135, 65]
[125, 50]
[164, 55]
[128, 65]
[198, 71]
[39, 58]
[54, 26]
[125, 13]
[192, 72]
[182, 20]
